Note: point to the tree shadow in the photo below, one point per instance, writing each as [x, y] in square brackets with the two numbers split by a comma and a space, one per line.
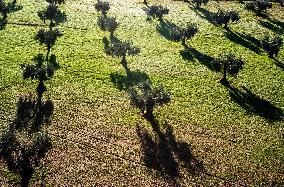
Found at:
[270, 26]
[204, 14]
[24, 143]
[3, 23]
[245, 40]
[167, 30]
[273, 21]
[190, 54]
[132, 78]
[278, 63]
[256, 105]
[165, 154]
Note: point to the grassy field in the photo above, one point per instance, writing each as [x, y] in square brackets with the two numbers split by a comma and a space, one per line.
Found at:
[209, 135]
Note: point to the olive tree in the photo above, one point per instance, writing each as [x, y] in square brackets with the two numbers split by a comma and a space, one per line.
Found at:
[230, 64]
[146, 97]
[108, 24]
[47, 38]
[183, 34]
[272, 45]
[258, 6]
[157, 11]
[121, 49]
[225, 17]
[4, 10]
[52, 13]
[102, 6]
[41, 70]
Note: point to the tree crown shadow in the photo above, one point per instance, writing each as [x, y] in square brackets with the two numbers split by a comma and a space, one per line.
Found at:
[245, 40]
[277, 28]
[167, 29]
[256, 105]
[24, 143]
[165, 154]
[205, 14]
[190, 54]
[132, 78]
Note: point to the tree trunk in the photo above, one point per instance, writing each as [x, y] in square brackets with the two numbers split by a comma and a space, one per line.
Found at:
[224, 80]
[40, 90]
[123, 61]
[47, 54]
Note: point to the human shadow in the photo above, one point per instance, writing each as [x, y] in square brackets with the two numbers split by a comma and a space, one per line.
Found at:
[255, 105]
[190, 54]
[132, 78]
[270, 26]
[245, 40]
[24, 143]
[165, 154]
[168, 30]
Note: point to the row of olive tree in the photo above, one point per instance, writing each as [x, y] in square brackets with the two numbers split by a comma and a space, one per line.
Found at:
[44, 67]
[145, 96]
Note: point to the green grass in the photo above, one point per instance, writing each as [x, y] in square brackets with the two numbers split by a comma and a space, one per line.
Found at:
[235, 144]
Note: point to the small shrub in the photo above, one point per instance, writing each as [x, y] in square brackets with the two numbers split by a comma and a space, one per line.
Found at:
[157, 11]
[183, 34]
[224, 17]
[198, 3]
[102, 6]
[258, 6]
[121, 49]
[230, 64]
[108, 24]
[272, 45]
[146, 97]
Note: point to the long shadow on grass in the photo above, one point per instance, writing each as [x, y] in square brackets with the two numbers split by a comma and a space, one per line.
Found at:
[273, 27]
[166, 29]
[190, 54]
[132, 78]
[255, 105]
[24, 143]
[245, 40]
[166, 155]
[205, 14]
[278, 63]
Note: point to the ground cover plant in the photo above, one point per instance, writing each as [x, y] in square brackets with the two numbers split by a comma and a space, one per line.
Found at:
[207, 135]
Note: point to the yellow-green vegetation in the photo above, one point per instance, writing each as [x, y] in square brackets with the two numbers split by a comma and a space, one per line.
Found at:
[207, 135]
